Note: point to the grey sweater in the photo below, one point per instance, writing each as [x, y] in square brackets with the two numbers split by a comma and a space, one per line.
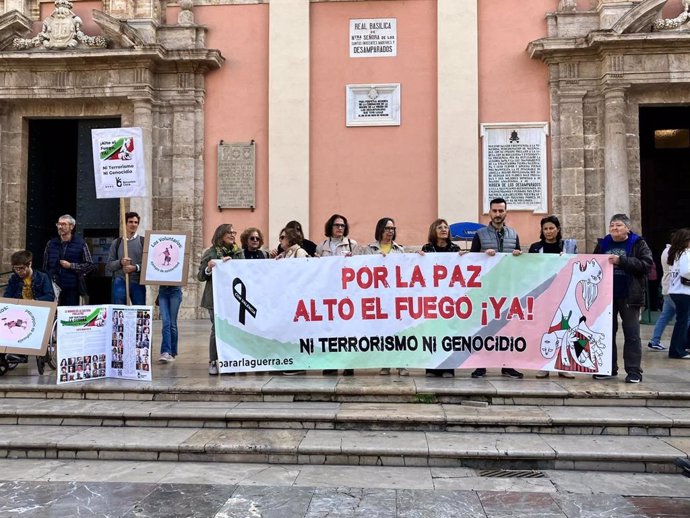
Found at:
[135, 251]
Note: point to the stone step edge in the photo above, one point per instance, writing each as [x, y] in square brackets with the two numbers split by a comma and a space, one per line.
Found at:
[649, 460]
[24, 413]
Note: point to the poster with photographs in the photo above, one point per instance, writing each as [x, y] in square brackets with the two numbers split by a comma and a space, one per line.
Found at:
[107, 341]
[25, 326]
[166, 258]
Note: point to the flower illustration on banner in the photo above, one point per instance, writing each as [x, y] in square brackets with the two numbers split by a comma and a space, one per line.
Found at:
[15, 325]
[166, 256]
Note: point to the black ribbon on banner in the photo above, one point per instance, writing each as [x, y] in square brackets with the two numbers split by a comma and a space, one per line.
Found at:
[241, 297]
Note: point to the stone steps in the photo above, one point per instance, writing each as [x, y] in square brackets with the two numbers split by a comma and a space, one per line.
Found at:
[346, 447]
[371, 389]
[571, 420]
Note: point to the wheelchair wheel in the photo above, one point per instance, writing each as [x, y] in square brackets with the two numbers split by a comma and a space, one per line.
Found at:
[4, 366]
[51, 352]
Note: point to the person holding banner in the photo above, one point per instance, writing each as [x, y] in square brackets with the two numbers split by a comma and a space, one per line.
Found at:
[27, 283]
[119, 265]
[492, 239]
[222, 248]
[631, 259]
[66, 260]
[336, 230]
[384, 244]
[551, 242]
[439, 242]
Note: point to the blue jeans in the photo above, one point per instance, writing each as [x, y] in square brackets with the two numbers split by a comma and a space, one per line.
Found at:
[667, 313]
[679, 338]
[169, 300]
[137, 292]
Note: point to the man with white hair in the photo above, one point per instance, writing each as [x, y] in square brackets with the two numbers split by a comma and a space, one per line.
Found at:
[66, 260]
[631, 259]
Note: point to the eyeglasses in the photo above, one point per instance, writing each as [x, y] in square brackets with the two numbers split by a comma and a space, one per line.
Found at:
[231, 232]
[60, 224]
[339, 225]
[389, 229]
[282, 237]
[254, 238]
[20, 268]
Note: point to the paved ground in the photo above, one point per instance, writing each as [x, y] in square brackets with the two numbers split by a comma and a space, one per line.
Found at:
[147, 489]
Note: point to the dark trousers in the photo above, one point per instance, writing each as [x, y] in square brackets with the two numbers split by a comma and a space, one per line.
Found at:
[679, 338]
[632, 346]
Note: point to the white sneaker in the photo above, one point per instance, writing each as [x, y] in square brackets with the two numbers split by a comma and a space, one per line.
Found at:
[213, 369]
[403, 372]
[542, 374]
[166, 358]
[567, 375]
[385, 372]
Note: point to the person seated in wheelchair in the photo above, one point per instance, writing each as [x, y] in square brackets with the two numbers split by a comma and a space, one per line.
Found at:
[25, 282]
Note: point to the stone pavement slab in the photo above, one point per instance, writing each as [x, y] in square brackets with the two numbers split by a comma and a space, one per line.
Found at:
[626, 448]
[488, 445]
[380, 477]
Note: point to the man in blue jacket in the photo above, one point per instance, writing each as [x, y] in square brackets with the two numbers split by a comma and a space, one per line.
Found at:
[67, 260]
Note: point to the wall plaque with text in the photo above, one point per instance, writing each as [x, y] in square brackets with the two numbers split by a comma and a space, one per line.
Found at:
[373, 105]
[237, 175]
[514, 160]
[373, 38]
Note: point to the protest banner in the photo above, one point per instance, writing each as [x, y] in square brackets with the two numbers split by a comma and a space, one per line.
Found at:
[25, 326]
[106, 341]
[166, 258]
[536, 311]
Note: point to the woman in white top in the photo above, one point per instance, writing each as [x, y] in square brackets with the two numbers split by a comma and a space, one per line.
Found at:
[679, 291]
[336, 230]
[385, 244]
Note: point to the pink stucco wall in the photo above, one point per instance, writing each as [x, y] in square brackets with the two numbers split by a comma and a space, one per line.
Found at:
[236, 108]
[370, 172]
[513, 87]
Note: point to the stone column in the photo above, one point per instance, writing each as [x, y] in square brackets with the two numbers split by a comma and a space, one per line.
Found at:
[569, 161]
[288, 115]
[143, 119]
[458, 110]
[617, 190]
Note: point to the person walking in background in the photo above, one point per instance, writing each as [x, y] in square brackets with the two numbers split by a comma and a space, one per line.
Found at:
[439, 242]
[337, 243]
[384, 244]
[679, 291]
[66, 260]
[169, 301]
[222, 248]
[119, 265]
[551, 242]
[495, 238]
[631, 259]
[668, 311]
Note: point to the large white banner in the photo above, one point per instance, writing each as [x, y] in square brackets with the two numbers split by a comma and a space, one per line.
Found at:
[536, 311]
[118, 163]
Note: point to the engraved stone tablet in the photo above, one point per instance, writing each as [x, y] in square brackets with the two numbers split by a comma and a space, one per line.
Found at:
[373, 105]
[237, 175]
[514, 159]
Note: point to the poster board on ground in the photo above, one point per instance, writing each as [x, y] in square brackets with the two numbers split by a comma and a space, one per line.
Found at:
[105, 341]
[166, 258]
[25, 326]
[437, 311]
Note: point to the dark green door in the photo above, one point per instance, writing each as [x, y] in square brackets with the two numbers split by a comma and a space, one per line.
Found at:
[60, 181]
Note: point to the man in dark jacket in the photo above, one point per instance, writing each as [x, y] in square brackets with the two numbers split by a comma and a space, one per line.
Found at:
[67, 260]
[27, 283]
[631, 259]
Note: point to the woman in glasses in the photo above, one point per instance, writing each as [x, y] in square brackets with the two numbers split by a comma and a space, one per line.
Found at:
[439, 241]
[252, 240]
[337, 243]
[223, 248]
[305, 244]
[336, 231]
[384, 244]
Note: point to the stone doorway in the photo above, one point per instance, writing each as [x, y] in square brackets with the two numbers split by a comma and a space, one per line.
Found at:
[664, 174]
[60, 181]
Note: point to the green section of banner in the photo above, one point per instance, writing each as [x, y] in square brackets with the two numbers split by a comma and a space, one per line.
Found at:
[105, 155]
[81, 321]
